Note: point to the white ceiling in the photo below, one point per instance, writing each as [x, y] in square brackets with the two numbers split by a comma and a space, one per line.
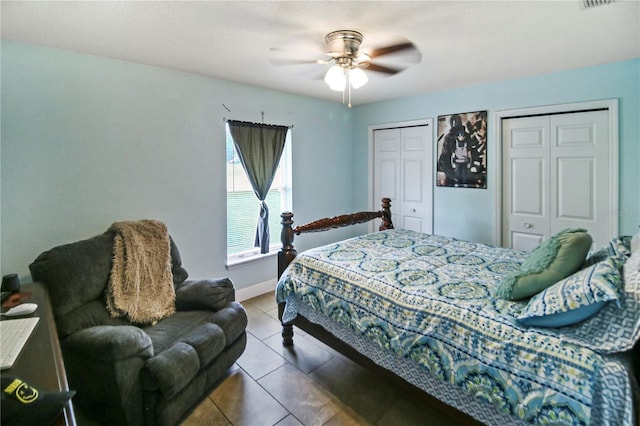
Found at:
[462, 42]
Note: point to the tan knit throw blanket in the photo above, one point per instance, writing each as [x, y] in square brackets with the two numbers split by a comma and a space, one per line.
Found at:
[141, 283]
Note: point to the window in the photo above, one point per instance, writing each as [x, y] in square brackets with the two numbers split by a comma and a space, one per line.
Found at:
[243, 205]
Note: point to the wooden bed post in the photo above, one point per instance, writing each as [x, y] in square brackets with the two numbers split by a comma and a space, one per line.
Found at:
[386, 218]
[287, 253]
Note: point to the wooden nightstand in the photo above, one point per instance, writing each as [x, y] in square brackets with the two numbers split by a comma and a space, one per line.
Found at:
[40, 363]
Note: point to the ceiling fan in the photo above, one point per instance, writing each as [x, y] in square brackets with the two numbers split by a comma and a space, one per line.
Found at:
[349, 62]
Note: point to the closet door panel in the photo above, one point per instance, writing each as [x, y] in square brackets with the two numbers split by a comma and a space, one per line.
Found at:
[403, 171]
[580, 195]
[556, 175]
[525, 188]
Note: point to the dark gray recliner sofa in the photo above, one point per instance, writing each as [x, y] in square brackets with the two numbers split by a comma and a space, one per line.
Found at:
[138, 375]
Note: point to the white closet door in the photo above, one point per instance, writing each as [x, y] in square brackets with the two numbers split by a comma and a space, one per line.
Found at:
[403, 171]
[526, 182]
[581, 176]
[386, 165]
[556, 176]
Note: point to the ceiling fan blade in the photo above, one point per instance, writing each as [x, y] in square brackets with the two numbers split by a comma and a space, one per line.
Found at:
[406, 47]
[284, 61]
[382, 69]
[279, 56]
[391, 49]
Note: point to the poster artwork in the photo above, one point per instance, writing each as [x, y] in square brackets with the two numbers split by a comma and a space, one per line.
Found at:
[462, 150]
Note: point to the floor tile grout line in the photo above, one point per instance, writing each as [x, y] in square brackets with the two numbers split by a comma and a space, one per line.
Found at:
[332, 397]
[270, 371]
[309, 375]
[263, 323]
[269, 393]
[217, 406]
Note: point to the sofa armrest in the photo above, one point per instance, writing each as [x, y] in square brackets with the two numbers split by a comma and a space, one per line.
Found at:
[110, 343]
[210, 294]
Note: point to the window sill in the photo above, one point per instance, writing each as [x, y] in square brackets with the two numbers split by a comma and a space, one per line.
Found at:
[239, 260]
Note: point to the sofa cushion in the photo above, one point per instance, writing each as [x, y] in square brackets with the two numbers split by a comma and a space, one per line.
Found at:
[188, 341]
[195, 328]
[172, 329]
[110, 343]
[88, 315]
[182, 347]
[173, 368]
[208, 340]
[232, 319]
[179, 273]
[204, 294]
[75, 273]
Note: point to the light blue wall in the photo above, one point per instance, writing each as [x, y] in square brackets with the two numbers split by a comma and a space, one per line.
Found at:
[471, 213]
[87, 141]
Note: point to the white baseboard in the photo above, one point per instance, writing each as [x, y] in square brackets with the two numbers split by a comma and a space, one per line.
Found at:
[255, 290]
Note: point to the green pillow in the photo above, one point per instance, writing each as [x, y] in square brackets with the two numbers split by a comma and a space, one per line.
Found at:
[554, 259]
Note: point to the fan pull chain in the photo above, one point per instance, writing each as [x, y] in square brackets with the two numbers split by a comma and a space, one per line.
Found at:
[349, 86]
[343, 99]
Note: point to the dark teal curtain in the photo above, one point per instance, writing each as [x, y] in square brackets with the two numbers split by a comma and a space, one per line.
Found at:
[259, 147]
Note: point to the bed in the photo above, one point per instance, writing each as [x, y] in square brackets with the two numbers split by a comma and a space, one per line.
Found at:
[423, 310]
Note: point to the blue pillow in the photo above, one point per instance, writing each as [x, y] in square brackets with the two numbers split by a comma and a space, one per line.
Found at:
[575, 298]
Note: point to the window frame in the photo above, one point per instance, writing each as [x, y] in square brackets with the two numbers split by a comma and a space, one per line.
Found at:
[286, 202]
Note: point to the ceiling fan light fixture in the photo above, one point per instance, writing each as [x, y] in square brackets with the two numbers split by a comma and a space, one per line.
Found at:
[348, 67]
[357, 78]
[336, 78]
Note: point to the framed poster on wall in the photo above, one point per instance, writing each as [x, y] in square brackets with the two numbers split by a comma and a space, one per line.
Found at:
[461, 161]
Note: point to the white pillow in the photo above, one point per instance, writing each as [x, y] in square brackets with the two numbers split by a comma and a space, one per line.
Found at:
[631, 271]
[635, 243]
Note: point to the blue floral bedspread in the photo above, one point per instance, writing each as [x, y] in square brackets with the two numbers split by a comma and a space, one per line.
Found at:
[429, 300]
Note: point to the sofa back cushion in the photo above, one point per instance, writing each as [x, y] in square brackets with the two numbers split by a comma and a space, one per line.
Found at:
[179, 273]
[75, 273]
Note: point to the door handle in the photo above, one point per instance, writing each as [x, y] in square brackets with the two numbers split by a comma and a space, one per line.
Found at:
[528, 225]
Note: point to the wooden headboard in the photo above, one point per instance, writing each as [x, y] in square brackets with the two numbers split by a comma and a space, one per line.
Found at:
[287, 253]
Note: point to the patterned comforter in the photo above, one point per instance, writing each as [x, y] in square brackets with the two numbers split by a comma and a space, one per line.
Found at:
[429, 301]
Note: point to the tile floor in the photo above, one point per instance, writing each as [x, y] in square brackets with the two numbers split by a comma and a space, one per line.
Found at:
[310, 384]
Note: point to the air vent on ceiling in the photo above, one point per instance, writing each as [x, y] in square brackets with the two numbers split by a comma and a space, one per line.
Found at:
[593, 3]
